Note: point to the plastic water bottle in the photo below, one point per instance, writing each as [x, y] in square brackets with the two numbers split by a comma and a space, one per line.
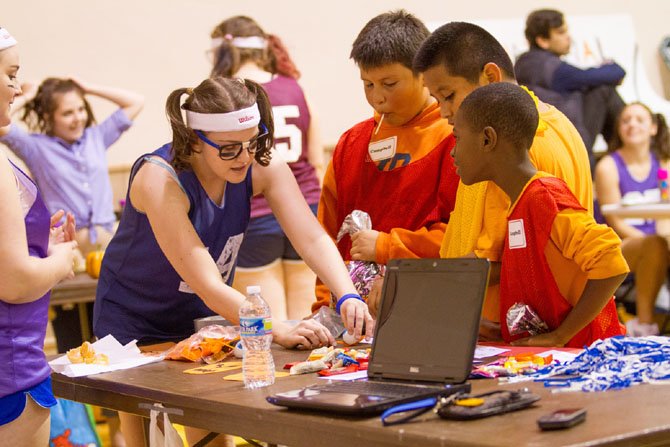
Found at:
[663, 185]
[258, 366]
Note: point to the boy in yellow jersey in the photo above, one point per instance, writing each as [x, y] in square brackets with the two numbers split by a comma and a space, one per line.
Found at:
[494, 127]
[394, 166]
[455, 60]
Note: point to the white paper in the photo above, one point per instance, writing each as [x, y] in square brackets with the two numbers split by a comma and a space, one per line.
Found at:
[561, 356]
[120, 357]
[488, 351]
[349, 376]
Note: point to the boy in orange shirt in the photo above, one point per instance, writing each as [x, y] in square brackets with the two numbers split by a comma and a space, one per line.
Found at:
[394, 166]
[494, 128]
[455, 60]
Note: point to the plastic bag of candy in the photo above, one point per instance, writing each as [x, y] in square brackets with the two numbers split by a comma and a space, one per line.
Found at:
[211, 344]
[522, 318]
[362, 273]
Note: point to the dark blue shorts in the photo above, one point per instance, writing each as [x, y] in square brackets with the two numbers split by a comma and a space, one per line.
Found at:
[265, 242]
[12, 406]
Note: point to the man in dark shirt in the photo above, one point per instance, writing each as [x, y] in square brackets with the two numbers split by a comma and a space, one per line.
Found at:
[587, 97]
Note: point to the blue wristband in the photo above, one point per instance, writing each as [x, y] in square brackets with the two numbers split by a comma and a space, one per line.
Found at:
[346, 297]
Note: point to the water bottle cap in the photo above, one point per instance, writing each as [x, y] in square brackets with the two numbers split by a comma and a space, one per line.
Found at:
[662, 173]
[253, 289]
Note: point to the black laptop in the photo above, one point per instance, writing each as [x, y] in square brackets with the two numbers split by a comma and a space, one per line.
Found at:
[424, 342]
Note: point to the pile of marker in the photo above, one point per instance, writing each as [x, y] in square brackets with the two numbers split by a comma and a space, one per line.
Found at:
[613, 363]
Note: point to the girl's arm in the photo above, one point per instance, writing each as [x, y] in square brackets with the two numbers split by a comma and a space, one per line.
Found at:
[25, 278]
[130, 102]
[316, 248]
[607, 192]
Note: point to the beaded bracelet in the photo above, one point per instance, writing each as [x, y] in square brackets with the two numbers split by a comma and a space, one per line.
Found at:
[346, 297]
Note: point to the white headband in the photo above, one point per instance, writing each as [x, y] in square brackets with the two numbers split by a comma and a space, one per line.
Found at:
[251, 42]
[224, 122]
[6, 39]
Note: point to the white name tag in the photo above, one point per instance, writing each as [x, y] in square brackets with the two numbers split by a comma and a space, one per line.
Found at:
[382, 149]
[516, 234]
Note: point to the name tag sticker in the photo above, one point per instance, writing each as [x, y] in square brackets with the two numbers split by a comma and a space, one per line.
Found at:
[516, 234]
[383, 149]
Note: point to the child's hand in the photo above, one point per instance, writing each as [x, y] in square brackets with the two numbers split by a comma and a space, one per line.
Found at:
[489, 330]
[548, 339]
[62, 233]
[82, 85]
[363, 245]
[28, 90]
[375, 296]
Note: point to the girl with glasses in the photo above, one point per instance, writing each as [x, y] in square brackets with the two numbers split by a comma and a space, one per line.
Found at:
[173, 257]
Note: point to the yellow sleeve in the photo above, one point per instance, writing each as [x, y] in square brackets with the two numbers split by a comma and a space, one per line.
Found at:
[478, 222]
[595, 248]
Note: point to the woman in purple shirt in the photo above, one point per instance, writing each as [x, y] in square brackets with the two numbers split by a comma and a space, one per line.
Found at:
[32, 261]
[629, 175]
[66, 155]
[242, 49]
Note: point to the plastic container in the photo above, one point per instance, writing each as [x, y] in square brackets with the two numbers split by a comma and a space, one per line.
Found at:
[258, 365]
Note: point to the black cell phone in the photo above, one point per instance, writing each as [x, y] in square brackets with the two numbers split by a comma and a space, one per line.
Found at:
[563, 418]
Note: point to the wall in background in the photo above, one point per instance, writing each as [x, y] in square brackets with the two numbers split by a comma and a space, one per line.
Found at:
[156, 46]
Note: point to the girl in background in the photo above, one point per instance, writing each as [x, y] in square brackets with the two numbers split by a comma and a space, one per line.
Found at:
[32, 260]
[66, 155]
[629, 175]
[267, 258]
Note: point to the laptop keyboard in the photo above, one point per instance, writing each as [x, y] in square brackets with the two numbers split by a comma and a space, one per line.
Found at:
[379, 388]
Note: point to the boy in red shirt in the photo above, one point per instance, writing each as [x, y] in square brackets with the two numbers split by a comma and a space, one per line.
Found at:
[396, 165]
[494, 128]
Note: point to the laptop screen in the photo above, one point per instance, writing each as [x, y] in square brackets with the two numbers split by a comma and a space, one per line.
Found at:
[429, 319]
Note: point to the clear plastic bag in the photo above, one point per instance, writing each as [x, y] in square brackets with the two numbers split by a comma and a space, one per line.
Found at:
[330, 319]
[211, 344]
[168, 437]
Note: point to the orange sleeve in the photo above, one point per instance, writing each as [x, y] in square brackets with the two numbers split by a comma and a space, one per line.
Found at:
[327, 215]
[402, 243]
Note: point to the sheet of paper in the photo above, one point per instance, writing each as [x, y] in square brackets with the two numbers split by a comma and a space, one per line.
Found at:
[349, 376]
[215, 368]
[120, 357]
[488, 351]
[561, 356]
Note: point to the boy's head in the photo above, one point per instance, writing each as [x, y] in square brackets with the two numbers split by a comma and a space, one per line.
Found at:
[458, 58]
[546, 29]
[494, 127]
[383, 51]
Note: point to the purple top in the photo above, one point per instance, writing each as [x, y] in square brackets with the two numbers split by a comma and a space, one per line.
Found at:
[292, 120]
[23, 326]
[635, 192]
[140, 295]
[73, 177]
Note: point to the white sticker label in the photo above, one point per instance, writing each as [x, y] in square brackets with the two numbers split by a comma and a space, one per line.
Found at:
[517, 236]
[382, 149]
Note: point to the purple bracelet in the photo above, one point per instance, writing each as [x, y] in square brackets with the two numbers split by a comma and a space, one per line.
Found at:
[346, 297]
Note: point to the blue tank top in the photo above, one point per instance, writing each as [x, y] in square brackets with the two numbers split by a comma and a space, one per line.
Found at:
[635, 192]
[140, 295]
[23, 326]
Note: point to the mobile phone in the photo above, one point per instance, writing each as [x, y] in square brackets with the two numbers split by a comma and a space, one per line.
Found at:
[563, 418]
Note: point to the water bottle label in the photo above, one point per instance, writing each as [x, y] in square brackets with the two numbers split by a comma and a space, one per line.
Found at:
[250, 327]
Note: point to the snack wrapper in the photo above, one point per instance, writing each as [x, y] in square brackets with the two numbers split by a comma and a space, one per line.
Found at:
[211, 344]
[522, 318]
[362, 273]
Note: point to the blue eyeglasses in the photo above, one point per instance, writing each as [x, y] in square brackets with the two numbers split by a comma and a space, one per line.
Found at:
[230, 151]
